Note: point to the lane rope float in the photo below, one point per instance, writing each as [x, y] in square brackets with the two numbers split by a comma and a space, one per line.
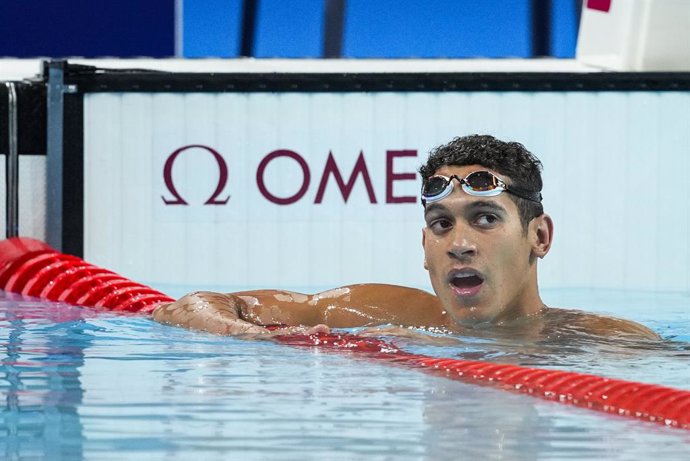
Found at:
[32, 268]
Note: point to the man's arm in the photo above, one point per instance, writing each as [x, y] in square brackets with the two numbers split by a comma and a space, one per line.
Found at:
[219, 314]
[247, 313]
[349, 306]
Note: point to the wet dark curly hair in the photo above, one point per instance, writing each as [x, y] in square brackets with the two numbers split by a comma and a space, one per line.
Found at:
[510, 159]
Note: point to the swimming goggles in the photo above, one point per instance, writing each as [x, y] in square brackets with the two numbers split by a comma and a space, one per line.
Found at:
[477, 183]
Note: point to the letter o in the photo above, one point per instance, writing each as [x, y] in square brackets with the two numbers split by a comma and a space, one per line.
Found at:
[306, 177]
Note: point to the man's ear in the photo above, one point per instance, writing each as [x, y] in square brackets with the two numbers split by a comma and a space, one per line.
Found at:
[541, 233]
[426, 266]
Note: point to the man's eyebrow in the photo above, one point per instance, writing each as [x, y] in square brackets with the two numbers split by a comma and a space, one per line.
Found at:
[476, 205]
[484, 204]
[434, 207]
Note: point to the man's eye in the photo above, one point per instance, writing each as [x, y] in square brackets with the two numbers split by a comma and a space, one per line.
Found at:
[440, 225]
[486, 220]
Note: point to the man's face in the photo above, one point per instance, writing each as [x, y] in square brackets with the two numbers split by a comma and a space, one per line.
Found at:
[480, 261]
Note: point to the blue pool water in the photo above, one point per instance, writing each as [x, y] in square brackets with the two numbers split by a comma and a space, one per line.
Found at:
[83, 385]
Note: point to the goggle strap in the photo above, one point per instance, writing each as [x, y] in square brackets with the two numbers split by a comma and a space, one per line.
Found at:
[524, 193]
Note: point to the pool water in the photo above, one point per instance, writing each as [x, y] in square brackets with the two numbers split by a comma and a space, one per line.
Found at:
[78, 384]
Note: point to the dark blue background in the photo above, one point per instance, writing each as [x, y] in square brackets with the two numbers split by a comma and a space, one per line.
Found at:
[61, 28]
[285, 28]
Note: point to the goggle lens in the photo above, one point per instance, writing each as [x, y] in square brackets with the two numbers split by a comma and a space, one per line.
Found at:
[435, 186]
[481, 181]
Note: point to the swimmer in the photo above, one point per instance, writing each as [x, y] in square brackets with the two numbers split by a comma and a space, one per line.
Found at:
[485, 232]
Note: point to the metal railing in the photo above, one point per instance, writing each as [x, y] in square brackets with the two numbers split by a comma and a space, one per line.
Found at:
[12, 164]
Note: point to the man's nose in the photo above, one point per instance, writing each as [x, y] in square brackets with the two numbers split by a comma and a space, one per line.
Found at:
[463, 246]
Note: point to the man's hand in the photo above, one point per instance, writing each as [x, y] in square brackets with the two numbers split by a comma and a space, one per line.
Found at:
[220, 314]
[410, 334]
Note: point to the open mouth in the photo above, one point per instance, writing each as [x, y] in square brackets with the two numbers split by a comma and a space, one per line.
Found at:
[466, 282]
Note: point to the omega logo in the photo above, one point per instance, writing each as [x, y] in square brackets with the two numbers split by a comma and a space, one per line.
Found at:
[331, 169]
[222, 178]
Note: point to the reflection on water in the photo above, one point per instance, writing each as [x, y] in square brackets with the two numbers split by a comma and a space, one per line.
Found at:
[40, 380]
[85, 385]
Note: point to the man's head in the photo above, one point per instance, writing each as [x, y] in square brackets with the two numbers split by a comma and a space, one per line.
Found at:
[481, 250]
[510, 159]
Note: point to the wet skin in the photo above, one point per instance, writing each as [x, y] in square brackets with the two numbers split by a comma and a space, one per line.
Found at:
[346, 307]
[482, 265]
[397, 308]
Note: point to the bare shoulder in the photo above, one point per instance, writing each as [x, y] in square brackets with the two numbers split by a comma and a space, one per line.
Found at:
[600, 325]
[395, 304]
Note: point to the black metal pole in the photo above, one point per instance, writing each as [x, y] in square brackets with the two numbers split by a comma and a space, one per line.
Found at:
[541, 28]
[249, 12]
[12, 164]
[334, 22]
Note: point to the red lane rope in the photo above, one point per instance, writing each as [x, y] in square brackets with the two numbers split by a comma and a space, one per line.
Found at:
[32, 268]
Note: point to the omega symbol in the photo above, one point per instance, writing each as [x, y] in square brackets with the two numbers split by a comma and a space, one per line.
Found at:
[222, 178]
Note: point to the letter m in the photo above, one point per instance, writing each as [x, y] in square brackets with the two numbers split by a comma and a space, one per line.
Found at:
[331, 168]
